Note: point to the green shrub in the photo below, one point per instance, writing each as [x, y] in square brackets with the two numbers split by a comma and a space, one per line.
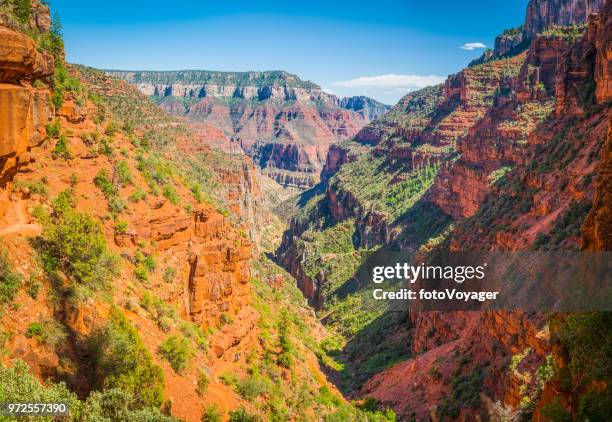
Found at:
[556, 412]
[171, 194]
[198, 195]
[53, 129]
[241, 415]
[112, 128]
[465, 393]
[138, 195]
[105, 147]
[121, 227]
[169, 274]
[164, 314]
[251, 387]
[62, 80]
[37, 188]
[33, 287]
[61, 149]
[123, 172]
[104, 183]
[48, 332]
[141, 273]
[116, 205]
[35, 329]
[203, 381]
[177, 351]
[18, 385]
[195, 333]
[284, 358]
[149, 263]
[74, 243]
[118, 405]
[121, 360]
[22, 10]
[212, 414]
[155, 169]
[10, 282]
[587, 338]
[229, 379]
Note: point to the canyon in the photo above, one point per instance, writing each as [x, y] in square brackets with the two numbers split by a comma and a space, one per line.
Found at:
[183, 219]
[284, 124]
[517, 145]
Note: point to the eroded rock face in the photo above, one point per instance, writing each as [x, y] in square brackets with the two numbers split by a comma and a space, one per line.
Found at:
[602, 32]
[213, 256]
[507, 42]
[500, 122]
[219, 269]
[336, 157]
[368, 108]
[24, 110]
[285, 124]
[597, 230]
[542, 14]
[19, 58]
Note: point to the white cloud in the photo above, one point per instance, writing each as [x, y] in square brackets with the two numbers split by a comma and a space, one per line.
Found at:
[385, 88]
[393, 82]
[473, 46]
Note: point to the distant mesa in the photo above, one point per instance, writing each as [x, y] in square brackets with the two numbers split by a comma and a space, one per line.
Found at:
[263, 112]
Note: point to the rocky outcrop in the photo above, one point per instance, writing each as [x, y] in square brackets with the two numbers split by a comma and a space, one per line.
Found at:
[219, 269]
[542, 14]
[24, 109]
[508, 41]
[39, 20]
[336, 157]
[484, 138]
[602, 33]
[19, 58]
[597, 230]
[370, 109]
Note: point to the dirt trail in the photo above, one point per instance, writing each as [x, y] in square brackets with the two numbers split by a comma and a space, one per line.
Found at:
[18, 222]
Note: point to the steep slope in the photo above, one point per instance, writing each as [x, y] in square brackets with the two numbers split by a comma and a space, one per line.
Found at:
[130, 284]
[503, 157]
[542, 14]
[284, 123]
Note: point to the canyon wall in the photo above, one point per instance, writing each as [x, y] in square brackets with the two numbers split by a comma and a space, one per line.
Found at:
[285, 124]
[542, 14]
[520, 147]
[24, 108]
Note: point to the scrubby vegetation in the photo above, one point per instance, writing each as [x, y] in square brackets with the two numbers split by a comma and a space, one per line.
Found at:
[74, 243]
[18, 385]
[465, 394]
[586, 338]
[568, 33]
[177, 351]
[10, 281]
[279, 384]
[121, 360]
[373, 183]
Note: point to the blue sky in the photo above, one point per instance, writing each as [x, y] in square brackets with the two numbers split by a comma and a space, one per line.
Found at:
[381, 48]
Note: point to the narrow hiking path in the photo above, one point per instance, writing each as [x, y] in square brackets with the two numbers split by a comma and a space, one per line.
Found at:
[16, 220]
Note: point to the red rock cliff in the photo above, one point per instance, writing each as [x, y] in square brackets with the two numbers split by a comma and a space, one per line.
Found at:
[542, 14]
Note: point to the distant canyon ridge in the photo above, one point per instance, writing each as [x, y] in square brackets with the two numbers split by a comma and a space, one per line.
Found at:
[284, 123]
